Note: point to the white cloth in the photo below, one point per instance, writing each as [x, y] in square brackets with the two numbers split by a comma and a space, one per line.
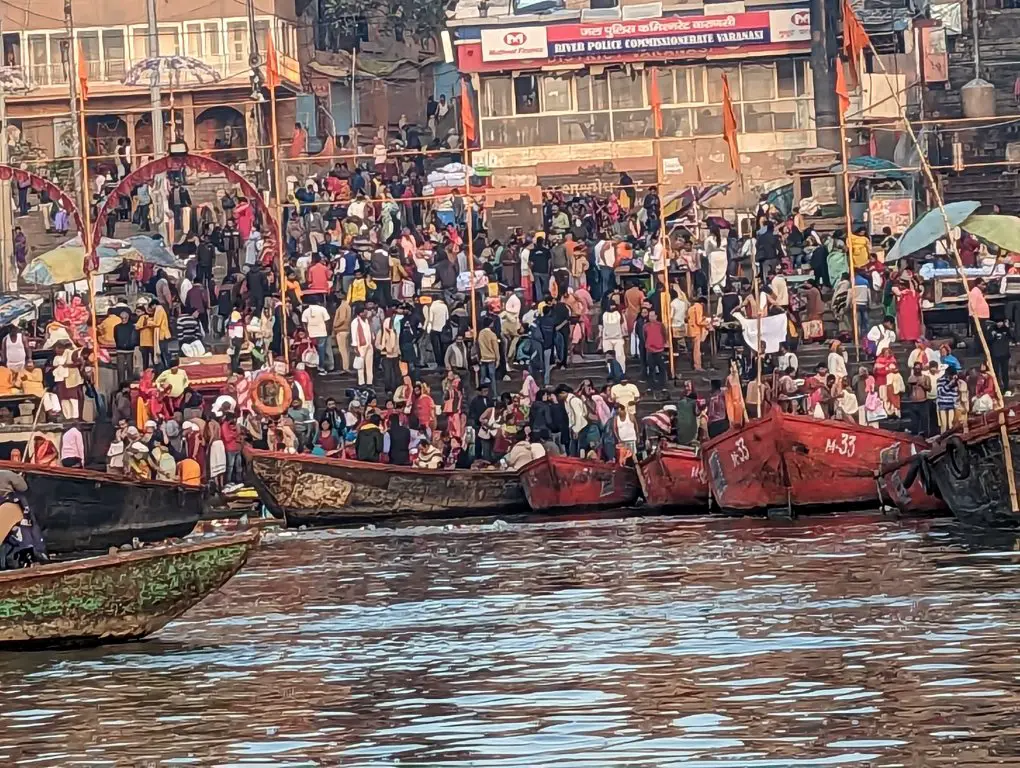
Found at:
[773, 331]
[217, 458]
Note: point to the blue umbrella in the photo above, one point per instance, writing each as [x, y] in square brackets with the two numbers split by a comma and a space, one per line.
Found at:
[153, 251]
[14, 308]
[930, 227]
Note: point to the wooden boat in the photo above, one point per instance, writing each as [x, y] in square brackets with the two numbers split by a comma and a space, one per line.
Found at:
[85, 512]
[674, 476]
[114, 598]
[784, 460]
[553, 482]
[317, 491]
[967, 471]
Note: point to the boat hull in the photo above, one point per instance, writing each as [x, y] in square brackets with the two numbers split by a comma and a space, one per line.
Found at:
[114, 598]
[674, 477]
[980, 497]
[786, 460]
[83, 512]
[314, 491]
[557, 482]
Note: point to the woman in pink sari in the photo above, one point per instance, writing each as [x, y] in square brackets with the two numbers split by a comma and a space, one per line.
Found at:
[453, 407]
[909, 325]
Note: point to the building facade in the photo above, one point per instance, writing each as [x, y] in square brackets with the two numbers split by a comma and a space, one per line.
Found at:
[219, 116]
[566, 98]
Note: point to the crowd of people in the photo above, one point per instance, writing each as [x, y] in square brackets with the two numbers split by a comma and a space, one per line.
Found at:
[451, 346]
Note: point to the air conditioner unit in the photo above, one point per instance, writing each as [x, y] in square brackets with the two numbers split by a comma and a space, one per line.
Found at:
[642, 11]
[600, 14]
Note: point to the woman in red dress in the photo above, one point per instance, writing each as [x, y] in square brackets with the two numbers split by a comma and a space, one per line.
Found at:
[909, 324]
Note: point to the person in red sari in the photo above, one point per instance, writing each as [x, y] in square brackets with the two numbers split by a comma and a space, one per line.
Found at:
[909, 324]
[44, 453]
[423, 406]
[304, 380]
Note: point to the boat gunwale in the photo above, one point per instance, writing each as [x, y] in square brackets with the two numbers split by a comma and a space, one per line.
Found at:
[91, 475]
[355, 464]
[47, 570]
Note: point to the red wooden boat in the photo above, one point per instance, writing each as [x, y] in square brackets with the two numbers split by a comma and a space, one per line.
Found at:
[798, 461]
[564, 481]
[674, 477]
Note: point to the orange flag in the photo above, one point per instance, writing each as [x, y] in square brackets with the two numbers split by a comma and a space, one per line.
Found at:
[855, 42]
[841, 89]
[83, 74]
[655, 101]
[272, 65]
[467, 114]
[729, 125]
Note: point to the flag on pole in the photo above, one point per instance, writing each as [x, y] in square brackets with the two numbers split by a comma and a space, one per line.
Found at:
[729, 123]
[272, 64]
[83, 74]
[841, 89]
[655, 101]
[855, 42]
[467, 114]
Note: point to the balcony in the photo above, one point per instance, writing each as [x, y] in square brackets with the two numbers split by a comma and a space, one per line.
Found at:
[108, 76]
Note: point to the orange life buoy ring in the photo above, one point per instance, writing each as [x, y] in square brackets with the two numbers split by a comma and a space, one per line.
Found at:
[270, 385]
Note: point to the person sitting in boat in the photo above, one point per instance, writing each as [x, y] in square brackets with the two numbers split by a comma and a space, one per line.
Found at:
[163, 463]
[368, 445]
[430, 454]
[22, 544]
[44, 452]
[138, 466]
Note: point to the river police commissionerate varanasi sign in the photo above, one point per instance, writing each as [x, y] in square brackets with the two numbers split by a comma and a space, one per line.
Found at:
[672, 33]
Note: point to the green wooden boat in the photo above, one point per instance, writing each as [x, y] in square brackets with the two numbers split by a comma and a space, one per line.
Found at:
[114, 598]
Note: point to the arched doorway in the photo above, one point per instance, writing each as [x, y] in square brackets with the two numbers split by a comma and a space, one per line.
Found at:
[221, 133]
[200, 164]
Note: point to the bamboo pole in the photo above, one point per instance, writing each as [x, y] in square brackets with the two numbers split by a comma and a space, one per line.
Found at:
[849, 231]
[756, 290]
[665, 309]
[86, 236]
[954, 245]
[471, 267]
[281, 264]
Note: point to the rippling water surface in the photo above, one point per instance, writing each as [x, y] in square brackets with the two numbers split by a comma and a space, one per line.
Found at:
[660, 642]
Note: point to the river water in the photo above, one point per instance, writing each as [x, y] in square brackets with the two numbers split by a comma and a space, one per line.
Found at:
[655, 642]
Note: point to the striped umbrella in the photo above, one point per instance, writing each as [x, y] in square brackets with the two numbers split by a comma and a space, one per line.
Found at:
[149, 72]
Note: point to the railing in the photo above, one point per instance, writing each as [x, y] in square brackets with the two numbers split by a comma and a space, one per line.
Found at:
[112, 71]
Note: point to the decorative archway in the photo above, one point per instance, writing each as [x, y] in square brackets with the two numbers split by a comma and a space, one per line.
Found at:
[40, 184]
[199, 163]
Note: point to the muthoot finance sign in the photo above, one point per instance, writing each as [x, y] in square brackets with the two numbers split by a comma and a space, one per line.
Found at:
[510, 43]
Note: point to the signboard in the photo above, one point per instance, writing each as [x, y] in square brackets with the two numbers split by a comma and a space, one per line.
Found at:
[512, 43]
[897, 213]
[678, 33]
[646, 36]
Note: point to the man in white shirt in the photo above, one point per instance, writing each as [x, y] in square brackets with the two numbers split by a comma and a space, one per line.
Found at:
[780, 291]
[787, 360]
[605, 259]
[613, 335]
[357, 206]
[361, 341]
[316, 319]
[577, 416]
[658, 256]
[437, 315]
[883, 335]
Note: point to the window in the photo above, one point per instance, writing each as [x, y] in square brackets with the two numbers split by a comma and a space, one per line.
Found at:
[114, 53]
[556, 93]
[212, 39]
[626, 90]
[58, 74]
[237, 40]
[193, 40]
[37, 46]
[169, 41]
[526, 95]
[497, 97]
[580, 107]
[262, 36]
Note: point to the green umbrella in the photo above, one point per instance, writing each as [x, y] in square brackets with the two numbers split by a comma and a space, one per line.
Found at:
[1003, 231]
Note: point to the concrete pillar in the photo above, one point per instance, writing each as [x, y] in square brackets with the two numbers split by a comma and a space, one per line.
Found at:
[824, 21]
